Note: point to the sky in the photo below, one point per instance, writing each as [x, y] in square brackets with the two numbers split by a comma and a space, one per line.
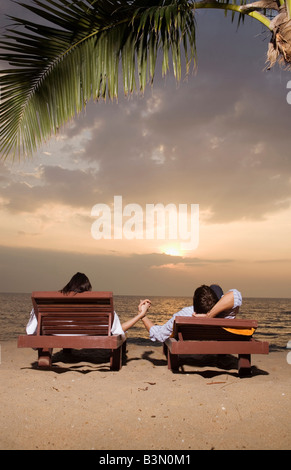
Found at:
[219, 140]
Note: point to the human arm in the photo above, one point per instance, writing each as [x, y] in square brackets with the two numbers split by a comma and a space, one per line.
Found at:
[164, 331]
[158, 332]
[147, 323]
[229, 304]
[142, 310]
[225, 303]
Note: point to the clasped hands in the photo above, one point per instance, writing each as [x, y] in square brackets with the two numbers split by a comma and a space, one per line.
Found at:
[143, 307]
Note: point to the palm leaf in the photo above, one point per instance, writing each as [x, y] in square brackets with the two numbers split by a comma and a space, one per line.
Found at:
[73, 55]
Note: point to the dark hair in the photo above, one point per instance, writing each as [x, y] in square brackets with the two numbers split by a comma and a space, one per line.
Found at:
[79, 283]
[204, 299]
[217, 289]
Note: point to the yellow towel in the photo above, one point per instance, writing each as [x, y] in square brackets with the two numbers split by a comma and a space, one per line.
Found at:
[245, 331]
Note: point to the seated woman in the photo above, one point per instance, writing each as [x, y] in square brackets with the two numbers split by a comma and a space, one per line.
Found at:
[207, 302]
[80, 283]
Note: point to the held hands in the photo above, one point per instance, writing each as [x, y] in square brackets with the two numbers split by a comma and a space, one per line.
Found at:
[143, 307]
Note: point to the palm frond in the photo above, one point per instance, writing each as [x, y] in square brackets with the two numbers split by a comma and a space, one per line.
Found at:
[73, 54]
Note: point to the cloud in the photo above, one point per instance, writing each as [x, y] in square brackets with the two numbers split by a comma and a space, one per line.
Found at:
[54, 185]
[236, 153]
[238, 163]
[32, 269]
[28, 269]
[220, 139]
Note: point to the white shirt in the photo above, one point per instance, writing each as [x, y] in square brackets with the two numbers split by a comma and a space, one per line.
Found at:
[31, 326]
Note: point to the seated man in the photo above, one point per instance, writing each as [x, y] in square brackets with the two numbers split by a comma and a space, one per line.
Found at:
[207, 302]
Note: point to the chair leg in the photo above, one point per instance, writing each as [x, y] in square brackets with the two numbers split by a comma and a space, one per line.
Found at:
[123, 353]
[45, 357]
[244, 365]
[116, 359]
[165, 349]
[124, 348]
[173, 361]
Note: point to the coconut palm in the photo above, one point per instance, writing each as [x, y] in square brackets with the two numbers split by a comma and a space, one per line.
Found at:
[77, 50]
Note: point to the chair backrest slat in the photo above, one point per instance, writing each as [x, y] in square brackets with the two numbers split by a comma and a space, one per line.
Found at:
[89, 313]
[191, 328]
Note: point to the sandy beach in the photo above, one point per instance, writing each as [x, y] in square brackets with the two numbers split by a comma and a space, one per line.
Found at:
[81, 404]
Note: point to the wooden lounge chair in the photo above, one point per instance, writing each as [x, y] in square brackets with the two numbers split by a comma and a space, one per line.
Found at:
[214, 336]
[74, 321]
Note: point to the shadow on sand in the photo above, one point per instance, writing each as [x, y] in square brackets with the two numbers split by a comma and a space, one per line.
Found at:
[87, 361]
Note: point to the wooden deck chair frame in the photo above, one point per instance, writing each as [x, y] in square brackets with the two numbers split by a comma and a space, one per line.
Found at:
[214, 336]
[74, 321]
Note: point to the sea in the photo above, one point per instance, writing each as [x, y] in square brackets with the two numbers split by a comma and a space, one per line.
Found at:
[273, 316]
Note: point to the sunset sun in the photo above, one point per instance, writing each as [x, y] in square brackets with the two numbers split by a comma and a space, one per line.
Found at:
[172, 251]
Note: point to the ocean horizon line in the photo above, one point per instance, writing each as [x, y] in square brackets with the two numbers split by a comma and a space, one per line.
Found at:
[142, 295]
